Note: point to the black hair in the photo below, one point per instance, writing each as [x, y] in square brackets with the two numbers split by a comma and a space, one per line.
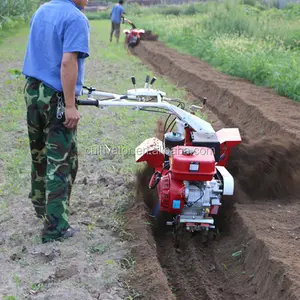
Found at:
[121, 1]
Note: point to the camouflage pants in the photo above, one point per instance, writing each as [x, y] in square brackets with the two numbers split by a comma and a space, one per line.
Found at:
[54, 158]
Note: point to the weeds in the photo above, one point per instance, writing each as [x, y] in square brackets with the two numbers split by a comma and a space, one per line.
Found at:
[128, 263]
[133, 294]
[36, 287]
[16, 12]
[252, 42]
[99, 249]
[103, 15]
[16, 279]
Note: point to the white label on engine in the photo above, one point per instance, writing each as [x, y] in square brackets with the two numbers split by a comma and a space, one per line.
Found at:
[194, 167]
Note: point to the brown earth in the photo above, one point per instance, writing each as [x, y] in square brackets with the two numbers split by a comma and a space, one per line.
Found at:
[260, 223]
[149, 36]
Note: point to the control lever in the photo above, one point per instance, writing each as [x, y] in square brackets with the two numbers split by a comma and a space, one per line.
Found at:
[152, 81]
[90, 89]
[147, 82]
[133, 82]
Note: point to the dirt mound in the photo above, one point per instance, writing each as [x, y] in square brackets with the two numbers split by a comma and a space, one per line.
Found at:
[269, 168]
[256, 111]
[209, 272]
[149, 36]
[148, 277]
[144, 175]
[262, 235]
[149, 196]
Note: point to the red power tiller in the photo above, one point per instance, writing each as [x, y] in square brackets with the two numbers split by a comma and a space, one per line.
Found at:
[133, 36]
[189, 163]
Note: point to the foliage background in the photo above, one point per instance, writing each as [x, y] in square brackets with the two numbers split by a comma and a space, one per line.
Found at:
[246, 39]
[16, 12]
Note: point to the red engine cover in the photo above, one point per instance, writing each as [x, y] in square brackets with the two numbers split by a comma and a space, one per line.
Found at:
[171, 194]
[192, 163]
[134, 32]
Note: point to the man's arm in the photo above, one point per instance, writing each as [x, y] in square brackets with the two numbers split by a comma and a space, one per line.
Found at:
[76, 45]
[69, 73]
[123, 14]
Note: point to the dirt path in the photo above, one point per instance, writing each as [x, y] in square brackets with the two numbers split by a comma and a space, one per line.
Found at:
[260, 223]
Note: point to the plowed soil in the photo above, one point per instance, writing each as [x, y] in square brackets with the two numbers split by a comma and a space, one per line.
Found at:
[260, 224]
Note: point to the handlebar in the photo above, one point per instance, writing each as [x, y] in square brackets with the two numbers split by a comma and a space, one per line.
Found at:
[88, 102]
[147, 99]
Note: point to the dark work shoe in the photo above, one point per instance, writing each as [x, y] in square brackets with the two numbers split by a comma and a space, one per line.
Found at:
[71, 231]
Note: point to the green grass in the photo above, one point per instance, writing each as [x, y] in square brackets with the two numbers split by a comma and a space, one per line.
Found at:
[248, 41]
[101, 15]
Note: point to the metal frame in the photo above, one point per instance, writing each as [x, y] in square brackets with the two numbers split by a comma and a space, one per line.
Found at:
[136, 98]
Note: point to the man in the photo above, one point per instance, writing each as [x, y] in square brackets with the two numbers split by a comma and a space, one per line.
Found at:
[58, 43]
[116, 15]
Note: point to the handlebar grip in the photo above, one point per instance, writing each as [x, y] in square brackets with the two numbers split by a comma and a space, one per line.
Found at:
[133, 80]
[147, 78]
[88, 102]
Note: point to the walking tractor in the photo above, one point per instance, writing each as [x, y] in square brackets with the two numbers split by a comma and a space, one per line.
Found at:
[133, 36]
[189, 163]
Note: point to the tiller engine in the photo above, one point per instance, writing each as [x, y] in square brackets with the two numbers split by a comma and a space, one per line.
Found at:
[189, 163]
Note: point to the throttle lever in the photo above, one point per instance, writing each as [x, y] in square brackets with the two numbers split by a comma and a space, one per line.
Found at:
[147, 81]
[133, 82]
[152, 81]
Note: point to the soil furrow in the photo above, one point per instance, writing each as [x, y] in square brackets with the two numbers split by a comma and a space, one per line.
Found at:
[255, 110]
[192, 272]
[266, 171]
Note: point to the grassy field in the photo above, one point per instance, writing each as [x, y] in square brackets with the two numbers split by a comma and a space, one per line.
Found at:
[248, 41]
[94, 261]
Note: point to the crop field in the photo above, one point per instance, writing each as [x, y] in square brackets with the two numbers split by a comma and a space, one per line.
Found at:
[244, 60]
[241, 40]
